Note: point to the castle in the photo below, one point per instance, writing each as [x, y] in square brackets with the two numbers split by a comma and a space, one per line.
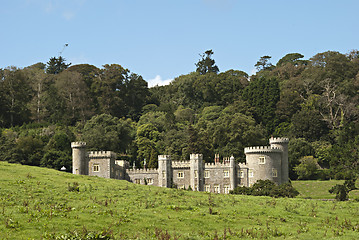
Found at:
[262, 162]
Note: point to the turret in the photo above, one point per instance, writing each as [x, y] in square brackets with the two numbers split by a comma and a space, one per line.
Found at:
[196, 172]
[164, 171]
[282, 143]
[79, 158]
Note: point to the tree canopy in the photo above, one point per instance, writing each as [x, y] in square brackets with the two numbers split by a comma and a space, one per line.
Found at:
[314, 102]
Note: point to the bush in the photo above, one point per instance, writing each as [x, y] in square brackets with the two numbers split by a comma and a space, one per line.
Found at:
[307, 169]
[341, 191]
[74, 187]
[267, 188]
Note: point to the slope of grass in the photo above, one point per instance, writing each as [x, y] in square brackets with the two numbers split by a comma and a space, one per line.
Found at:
[314, 189]
[35, 203]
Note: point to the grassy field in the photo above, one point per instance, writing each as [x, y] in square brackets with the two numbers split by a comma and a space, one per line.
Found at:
[35, 203]
[319, 189]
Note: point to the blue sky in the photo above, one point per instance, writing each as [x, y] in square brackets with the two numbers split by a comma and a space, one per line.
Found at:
[161, 40]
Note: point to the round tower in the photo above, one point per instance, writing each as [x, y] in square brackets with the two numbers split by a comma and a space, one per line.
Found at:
[282, 143]
[79, 158]
[264, 163]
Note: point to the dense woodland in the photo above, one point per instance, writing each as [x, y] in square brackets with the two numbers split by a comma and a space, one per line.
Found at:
[314, 102]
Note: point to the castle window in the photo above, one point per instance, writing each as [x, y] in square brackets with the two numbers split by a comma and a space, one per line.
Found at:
[149, 181]
[274, 172]
[226, 174]
[206, 174]
[250, 173]
[207, 188]
[180, 175]
[217, 189]
[96, 168]
[138, 181]
[163, 174]
[241, 174]
[195, 174]
[262, 160]
[226, 189]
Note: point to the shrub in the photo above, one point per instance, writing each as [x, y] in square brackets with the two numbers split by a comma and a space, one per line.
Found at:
[74, 187]
[307, 169]
[341, 191]
[267, 188]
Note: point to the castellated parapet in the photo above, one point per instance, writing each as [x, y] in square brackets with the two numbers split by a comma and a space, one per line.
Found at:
[102, 154]
[140, 171]
[262, 149]
[278, 140]
[262, 162]
[180, 164]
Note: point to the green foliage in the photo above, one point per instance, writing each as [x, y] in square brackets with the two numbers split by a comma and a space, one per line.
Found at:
[263, 63]
[292, 58]
[205, 111]
[146, 138]
[74, 187]
[307, 169]
[267, 188]
[56, 65]
[206, 64]
[297, 149]
[341, 192]
[263, 95]
[105, 132]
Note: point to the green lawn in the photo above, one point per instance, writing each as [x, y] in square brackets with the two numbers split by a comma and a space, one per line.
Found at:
[35, 203]
[319, 189]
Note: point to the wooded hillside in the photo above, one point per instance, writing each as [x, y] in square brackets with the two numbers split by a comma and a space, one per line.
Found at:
[314, 102]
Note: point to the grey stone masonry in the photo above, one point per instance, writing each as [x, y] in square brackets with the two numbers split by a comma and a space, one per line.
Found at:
[262, 162]
[79, 159]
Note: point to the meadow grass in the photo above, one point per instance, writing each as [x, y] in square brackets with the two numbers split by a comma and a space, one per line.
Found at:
[315, 189]
[39, 203]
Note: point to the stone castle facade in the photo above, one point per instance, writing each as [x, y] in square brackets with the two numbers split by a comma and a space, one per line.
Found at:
[262, 162]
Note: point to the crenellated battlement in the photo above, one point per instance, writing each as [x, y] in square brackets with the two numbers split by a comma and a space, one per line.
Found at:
[78, 145]
[102, 154]
[261, 149]
[278, 140]
[142, 171]
[212, 165]
[180, 164]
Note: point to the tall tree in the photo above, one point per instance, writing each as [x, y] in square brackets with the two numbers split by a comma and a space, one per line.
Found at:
[16, 94]
[75, 93]
[206, 64]
[263, 94]
[263, 63]
[56, 65]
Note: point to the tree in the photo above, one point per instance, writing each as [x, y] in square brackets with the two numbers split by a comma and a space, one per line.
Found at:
[105, 132]
[307, 169]
[74, 92]
[39, 82]
[146, 139]
[263, 94]
[297, 148]
[16, 94]
[56, 65]
[109, 89]
[292, 58]
[341, 192]
[263, 63]
[206, 64]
